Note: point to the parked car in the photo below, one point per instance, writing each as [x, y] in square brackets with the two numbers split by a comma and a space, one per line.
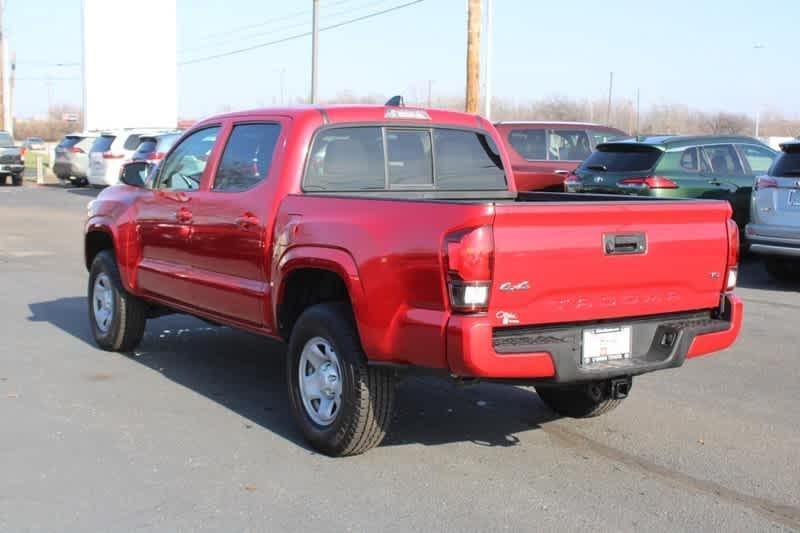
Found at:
[544, 153]
[154, 147]
[109, 151]
[721, 167]
[11, 160]
[34, 143]
[406, 249]
[72, 158]
[774, 228]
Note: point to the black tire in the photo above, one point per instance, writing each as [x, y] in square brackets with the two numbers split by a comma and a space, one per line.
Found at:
[782, 269]
[579, 401]
[16, 180]
[126, 326]
[367, 394]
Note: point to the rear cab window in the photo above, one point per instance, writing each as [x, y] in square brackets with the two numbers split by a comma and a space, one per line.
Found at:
[623, 158]
[379, 158]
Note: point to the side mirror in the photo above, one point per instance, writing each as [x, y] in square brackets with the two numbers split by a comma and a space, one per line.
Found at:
[135, 173]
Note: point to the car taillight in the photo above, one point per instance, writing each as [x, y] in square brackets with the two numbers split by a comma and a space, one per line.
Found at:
[766, 182]
[469, 261]
[76, 150]
[22, 152]
[648, 182]
[112, 155]
[155, 156]
[732, 272]
[571, 181]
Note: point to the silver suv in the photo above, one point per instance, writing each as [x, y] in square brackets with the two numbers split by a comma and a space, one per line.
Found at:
[774, 228]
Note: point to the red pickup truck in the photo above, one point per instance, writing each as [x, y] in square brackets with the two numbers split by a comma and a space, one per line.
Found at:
[384, 240]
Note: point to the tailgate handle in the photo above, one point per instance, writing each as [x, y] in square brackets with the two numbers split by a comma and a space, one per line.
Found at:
[624, 244]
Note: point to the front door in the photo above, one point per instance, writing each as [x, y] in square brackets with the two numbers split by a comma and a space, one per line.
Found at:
[164, 219]
[230, 234]
[723, 168]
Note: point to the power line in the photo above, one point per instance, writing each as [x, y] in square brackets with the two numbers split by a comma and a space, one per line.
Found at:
[304, 23]
[298, 36]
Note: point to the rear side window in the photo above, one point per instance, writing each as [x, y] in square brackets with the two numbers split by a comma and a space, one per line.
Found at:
[247, 157]
[467, 160]
[131, 142]
[568, 145]
[623, 159]
[680, 161]
[354, 159]
[787, 165]
[758, 157]
[103, 143]
[530, 144]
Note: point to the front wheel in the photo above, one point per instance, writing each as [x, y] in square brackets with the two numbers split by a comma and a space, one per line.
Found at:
[117, 317]
[584, 400]
[342, 405]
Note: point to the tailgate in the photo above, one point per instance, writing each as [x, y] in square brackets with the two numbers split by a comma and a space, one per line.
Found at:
[586, 261]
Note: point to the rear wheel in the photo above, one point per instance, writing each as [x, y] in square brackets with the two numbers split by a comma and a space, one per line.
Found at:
[342, 405]
[16, 179]
[782, 269]
[581, 401]
[117, 317]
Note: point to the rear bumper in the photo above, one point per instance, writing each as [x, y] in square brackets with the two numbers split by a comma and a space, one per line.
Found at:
[553, 353]
[11, 168]
[773, 240]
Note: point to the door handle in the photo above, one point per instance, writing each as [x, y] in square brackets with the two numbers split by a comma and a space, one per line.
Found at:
[626, 244]
[562, 172]
[183, 215]
[247, 220]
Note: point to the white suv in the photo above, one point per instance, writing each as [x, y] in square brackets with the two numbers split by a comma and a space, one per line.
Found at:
[109, 151]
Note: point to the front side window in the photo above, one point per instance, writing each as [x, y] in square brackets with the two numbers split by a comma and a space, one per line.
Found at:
[247, 157]
[721, 159]
[758, 157]
[183, 170]
[354, 159]
[568, 145]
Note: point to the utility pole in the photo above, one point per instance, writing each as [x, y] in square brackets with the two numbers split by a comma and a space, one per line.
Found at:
[473, 54]
[2, 70]
[610, 91]
[11, 83]
[488, 98]
[314, 51]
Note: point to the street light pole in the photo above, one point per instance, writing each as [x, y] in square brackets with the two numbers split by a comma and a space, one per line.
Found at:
[758, 46]
[488, 98]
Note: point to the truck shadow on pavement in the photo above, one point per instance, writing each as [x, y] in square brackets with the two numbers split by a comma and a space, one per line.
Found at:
[753, 275]
[246, 374]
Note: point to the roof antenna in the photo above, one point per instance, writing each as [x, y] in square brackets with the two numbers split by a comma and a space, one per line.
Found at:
[395, 101]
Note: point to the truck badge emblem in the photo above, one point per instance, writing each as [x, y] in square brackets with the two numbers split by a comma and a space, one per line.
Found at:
[507, 318]
[513, 287]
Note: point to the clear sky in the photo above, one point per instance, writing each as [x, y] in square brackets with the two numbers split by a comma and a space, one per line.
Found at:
[697, 52]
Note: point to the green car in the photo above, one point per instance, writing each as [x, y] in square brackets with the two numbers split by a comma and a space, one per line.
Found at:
[721, 167]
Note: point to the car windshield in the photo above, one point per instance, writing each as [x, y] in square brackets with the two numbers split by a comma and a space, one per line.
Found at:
[6, 140]
[69, 141]
[787, 165]
[103, 143]
[622, 159]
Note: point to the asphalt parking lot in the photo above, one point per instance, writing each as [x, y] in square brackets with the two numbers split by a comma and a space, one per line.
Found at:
[192, 431]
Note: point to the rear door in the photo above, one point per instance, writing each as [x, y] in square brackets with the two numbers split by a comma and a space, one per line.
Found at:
[97, 154]
[724, 169]
[228, 253]
[779, 203]
[581, 261]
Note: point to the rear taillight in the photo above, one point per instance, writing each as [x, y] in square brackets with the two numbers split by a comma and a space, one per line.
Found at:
[112, 155]
[469, 261]
[766, 182]
[648, 182]
[155, 156]
[76, 150]
[732, 271]
[22, 152]
[572, 181]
